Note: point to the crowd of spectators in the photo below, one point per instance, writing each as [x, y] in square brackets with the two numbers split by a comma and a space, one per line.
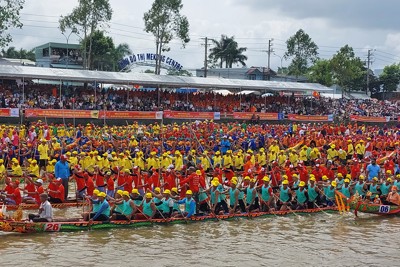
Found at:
[48, 97]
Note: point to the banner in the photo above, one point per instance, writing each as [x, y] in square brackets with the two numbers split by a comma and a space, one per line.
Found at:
[4, 112]
[323, 118]
[186, 115]
[62, 113]
[369, 119]
[137, 115]
[14, 112]
[249, 115]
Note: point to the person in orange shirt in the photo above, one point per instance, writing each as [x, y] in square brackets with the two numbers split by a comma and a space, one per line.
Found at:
[393, 196]
[13, 196]
[56, 191]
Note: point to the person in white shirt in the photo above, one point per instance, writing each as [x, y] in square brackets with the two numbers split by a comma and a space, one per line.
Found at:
[45, 211]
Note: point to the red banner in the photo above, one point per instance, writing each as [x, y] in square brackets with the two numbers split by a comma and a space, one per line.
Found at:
[249, 115]
[295, 117]
[369, 119]
[189, 115]
[139, 115]
[4, 112]
[62, 113]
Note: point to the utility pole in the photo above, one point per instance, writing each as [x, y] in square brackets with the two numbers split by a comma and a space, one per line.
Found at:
[205, 56]
[269, 51]
[368, 64]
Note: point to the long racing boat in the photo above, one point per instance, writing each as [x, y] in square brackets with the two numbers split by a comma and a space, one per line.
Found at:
[78, 225]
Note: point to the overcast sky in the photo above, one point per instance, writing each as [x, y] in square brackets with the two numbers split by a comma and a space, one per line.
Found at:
[363, 24]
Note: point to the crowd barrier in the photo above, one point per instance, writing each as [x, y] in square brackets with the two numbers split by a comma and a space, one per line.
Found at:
[177, 115]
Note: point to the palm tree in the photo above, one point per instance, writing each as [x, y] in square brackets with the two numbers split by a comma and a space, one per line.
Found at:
[226, 51]
[119, 52]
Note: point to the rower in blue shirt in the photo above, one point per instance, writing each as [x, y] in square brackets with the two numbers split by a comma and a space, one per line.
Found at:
[103, 213]
[190, 204]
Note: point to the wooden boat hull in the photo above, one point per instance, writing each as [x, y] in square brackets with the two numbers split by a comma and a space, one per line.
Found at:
[374, 208]
[28, 227]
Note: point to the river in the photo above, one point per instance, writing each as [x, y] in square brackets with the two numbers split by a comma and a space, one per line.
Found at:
[314, 240]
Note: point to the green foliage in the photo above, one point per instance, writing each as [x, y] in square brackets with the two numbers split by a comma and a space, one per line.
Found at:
[105, 54]
[303, 50]
[9, 18]
[165, 22]
[227, 51]
[348, 70]
[175, 72]
[321, 72]
[86, 18]
[390, 77]
[11, 52]
[149, 71]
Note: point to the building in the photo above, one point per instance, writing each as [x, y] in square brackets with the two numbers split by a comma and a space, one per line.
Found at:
[252, 73]
[59, 55]
[16, 62]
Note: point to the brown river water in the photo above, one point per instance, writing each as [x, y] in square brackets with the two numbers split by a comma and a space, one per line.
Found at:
[307, 240]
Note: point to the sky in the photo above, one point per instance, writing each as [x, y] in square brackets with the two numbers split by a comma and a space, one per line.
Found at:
[362, 24]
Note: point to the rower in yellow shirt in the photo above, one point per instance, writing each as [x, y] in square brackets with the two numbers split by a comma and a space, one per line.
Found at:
[281, 158]
[238, 160]
[314, 154]
[178, 160]
[16, 169]
[274, 147]
[303, 154]
[138, 160]
[152, 161]
[360, 149]
[34, 169]
[217, 159]
[227, 159]
[73, 159]
[331, 153]
[50, 166]
[293, 157]
[2, 167]
[350, 148]
[165, 160]
[205, 162]
[43, 150]
[262, 158]
[342, 155]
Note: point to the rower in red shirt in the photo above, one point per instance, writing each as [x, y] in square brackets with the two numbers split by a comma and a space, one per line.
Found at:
[317, 173]
[89, 185]
[80, 180]
[33, 190]
[14, 195]
[56, 191]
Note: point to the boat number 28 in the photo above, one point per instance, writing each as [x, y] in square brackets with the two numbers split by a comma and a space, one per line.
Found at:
[52, 227]
[384, 209]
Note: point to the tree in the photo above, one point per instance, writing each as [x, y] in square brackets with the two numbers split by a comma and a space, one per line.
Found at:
[9, 18]
[102, 50]
[11, 52]
[304, 51]
[227, 51]
[105, 54]
[165, 22]
[175, 72]
[321, 72]
[86, 18]
[348, 70]
[390, 77]
[149, 71]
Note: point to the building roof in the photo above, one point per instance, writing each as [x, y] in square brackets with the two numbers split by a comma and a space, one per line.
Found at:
[145, 79]
[260, 70]
[59, 45]
[16, 61]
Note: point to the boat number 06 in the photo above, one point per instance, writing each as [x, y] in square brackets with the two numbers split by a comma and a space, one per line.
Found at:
[52, 227]
[384, 209]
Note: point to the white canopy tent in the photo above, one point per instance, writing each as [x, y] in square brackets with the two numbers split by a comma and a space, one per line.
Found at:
[145, 79]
